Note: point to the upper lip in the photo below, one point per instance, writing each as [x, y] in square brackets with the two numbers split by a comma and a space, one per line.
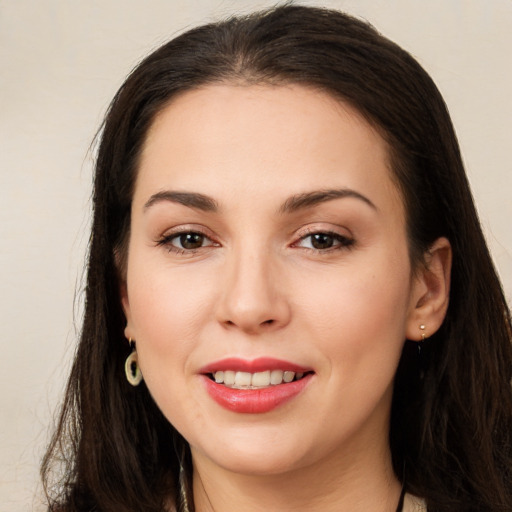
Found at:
[260, 364]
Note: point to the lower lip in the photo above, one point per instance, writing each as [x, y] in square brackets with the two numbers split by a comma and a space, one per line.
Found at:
[255, 401]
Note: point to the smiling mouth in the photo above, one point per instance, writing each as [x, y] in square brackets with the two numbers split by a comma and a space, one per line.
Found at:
[259, 380]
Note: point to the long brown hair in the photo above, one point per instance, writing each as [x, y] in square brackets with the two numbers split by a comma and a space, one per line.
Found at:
[451, 426]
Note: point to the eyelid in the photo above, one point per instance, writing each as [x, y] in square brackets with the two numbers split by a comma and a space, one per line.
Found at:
[313, 228]
[165, 240]
[186, 228]
[343, 236]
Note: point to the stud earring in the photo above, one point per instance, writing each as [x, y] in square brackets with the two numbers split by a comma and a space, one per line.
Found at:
[131, 367]
[420, 343]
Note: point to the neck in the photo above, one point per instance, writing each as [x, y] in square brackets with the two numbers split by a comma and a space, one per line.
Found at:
[352, 482]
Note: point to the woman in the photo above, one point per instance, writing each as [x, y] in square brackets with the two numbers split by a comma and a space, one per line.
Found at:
[290, 303]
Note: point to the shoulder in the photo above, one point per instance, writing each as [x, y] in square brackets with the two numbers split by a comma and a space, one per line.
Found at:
[414, 504]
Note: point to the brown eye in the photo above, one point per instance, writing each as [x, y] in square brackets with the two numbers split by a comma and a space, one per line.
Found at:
[322, 241]
[189, 241]
[183, 242]
[325, 241]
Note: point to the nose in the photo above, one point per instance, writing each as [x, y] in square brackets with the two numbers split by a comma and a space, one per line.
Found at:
[253, 298]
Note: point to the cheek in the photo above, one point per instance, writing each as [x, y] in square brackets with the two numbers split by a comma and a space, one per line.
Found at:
[359, 309]
[168, 308]
[359, 322]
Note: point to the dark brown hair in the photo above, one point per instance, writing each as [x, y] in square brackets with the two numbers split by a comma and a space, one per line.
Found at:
[451, 426]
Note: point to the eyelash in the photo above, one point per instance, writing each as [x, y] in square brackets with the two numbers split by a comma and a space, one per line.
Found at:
[167, 242]
[343, 242]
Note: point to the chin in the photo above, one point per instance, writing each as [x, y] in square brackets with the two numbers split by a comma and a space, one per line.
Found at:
[255, 457]
[260, 465]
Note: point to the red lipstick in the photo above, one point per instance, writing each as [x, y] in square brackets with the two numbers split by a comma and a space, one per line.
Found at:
[254, 401]
[256, 365]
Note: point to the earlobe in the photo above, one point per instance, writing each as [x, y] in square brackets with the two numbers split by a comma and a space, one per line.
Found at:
[431, 291]
[120, 261]
[125, 304]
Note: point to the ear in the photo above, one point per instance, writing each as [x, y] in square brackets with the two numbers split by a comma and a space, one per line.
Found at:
[430, 291]
[125, 303]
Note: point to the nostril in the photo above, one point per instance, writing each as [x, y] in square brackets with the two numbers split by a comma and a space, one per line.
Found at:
[251, 325]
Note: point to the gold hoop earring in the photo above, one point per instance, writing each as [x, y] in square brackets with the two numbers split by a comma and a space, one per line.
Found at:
[131, 367]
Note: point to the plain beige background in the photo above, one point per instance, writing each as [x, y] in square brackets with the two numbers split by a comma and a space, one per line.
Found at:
[60, 64]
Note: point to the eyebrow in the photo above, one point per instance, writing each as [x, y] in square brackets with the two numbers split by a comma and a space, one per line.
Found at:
[309, 199]
[292, 204]
[190, 199]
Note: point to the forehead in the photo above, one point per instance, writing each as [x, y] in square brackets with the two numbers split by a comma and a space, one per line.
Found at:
[269, 139]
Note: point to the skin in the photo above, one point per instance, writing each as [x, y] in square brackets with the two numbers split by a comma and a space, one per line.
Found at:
[256, 286]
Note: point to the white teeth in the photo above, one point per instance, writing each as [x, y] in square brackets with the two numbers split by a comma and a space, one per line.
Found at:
[261, 379]
[276, 377]
[229, 378]
[288, 376]
[244, 380]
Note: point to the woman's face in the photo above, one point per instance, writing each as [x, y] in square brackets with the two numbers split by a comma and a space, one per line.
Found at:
[267, 245]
